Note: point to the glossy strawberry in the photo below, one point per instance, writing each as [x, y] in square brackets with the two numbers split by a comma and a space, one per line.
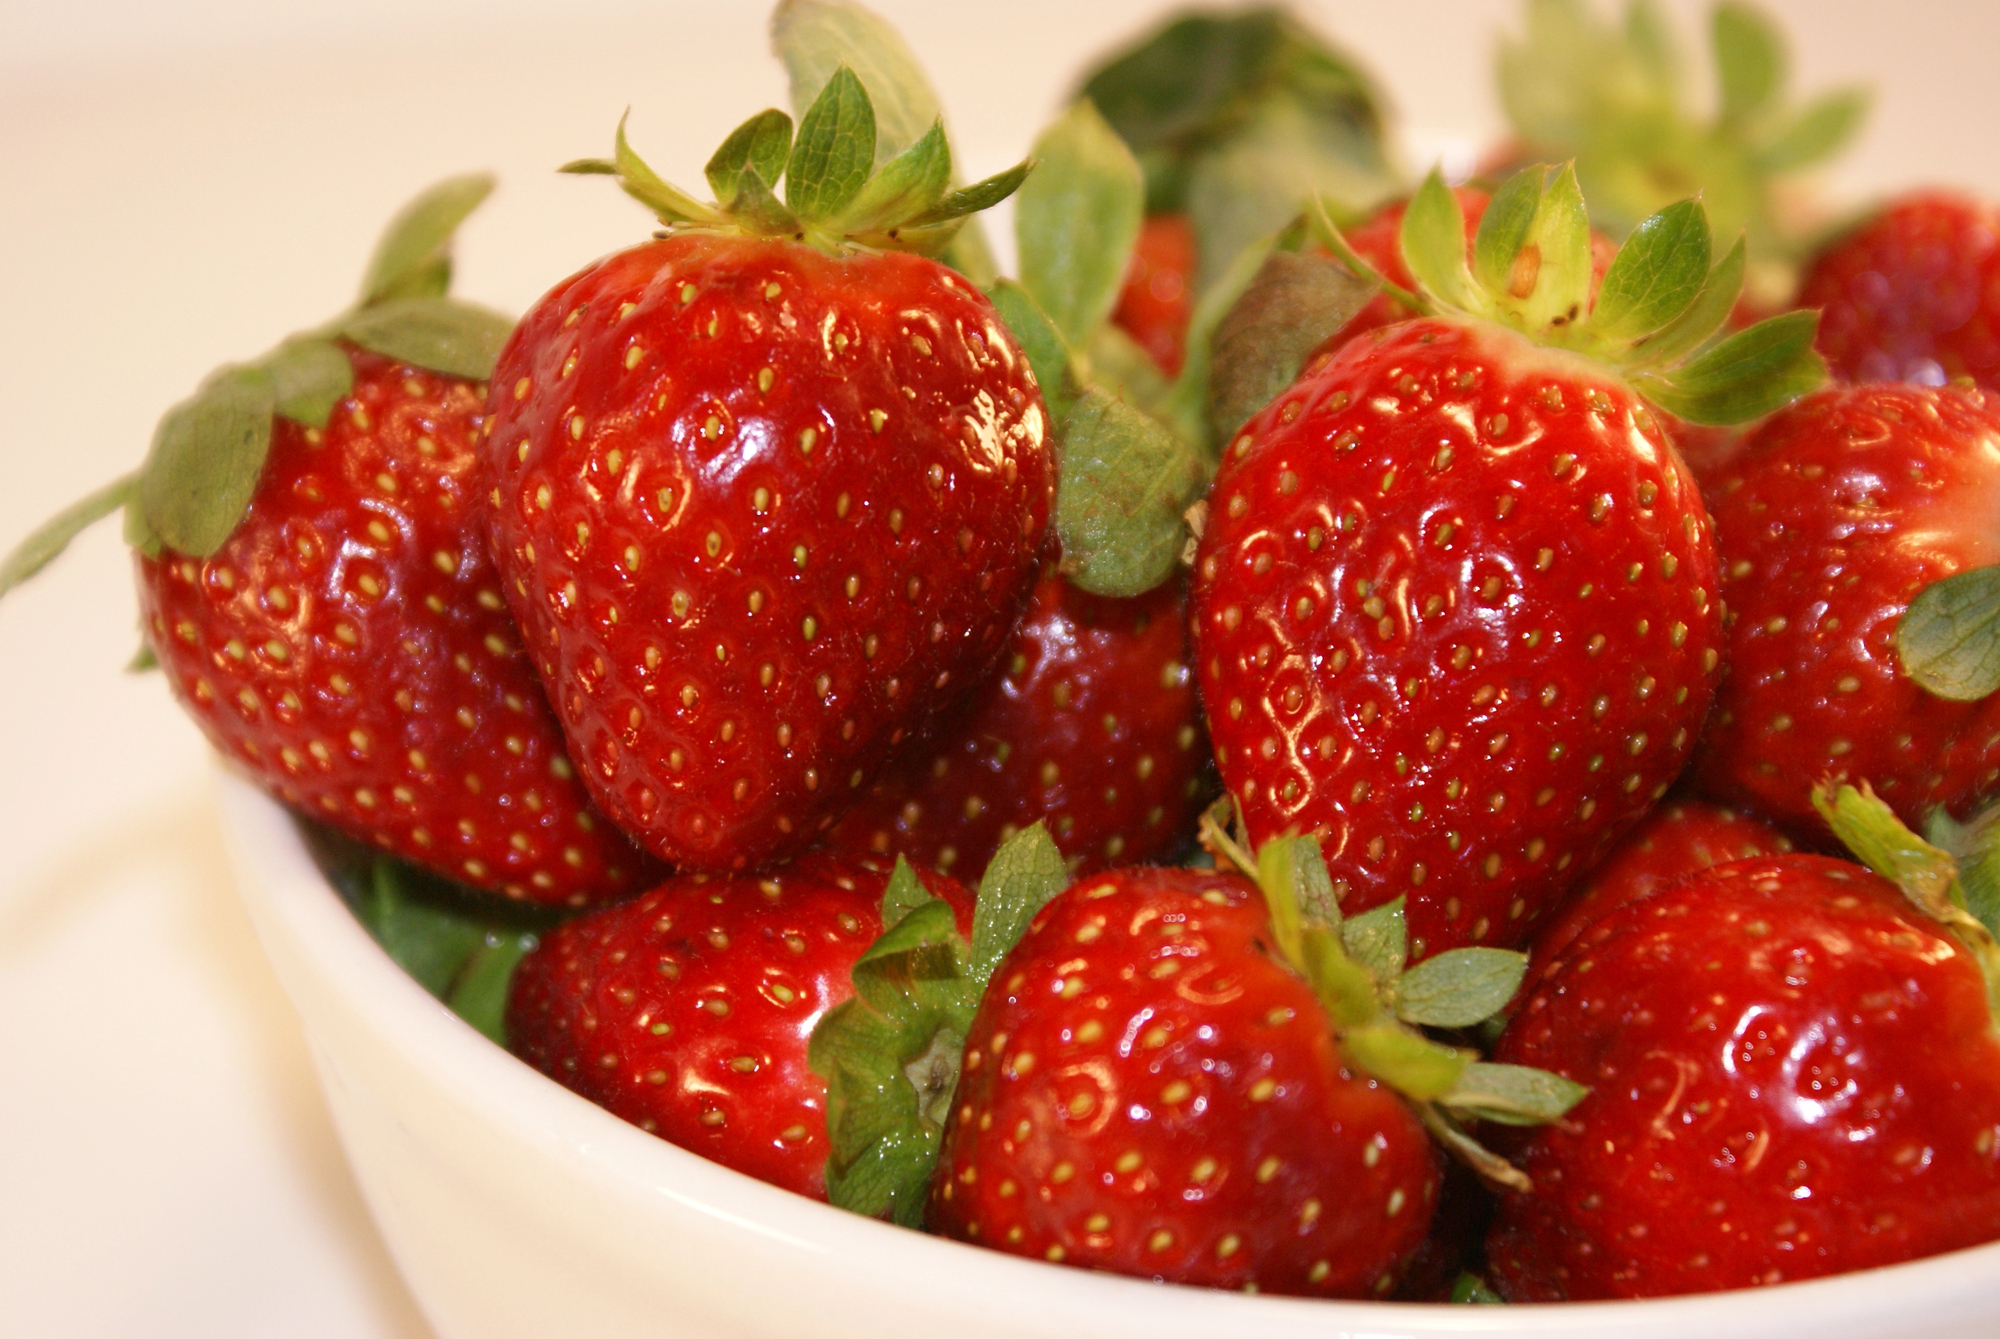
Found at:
[765, 506]
[688, 1010]
[349, 647]
[1913, 294]
[1839, 513]
[1793, 1073]
[1157, 298]
[1147, 1090]
[1092, 727]
[1680, 838]
[1454, 607]
[313, 581]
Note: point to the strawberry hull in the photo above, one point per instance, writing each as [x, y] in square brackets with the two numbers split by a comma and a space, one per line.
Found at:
[762, 512]
[1454, 613]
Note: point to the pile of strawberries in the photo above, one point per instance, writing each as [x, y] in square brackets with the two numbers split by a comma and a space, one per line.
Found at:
[848, 642]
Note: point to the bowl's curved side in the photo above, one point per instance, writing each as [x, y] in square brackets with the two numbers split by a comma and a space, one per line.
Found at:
[516, 1209]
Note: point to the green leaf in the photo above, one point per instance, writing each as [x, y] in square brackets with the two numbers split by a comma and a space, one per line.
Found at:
[1024, 874]
[442, 334]
[206, 457]
[1512, 1094]
[1125, 483]
[1412, 1064]
[1433, 243]
[479, 996]
[1976, 848]
[1749, 61]
[1745, 376]
[1702, 318]
[412, 259]
[1460, 987]
[1187, 406]
[1077, 219]
[1048, 355]
[922, 948]
[835, 150]
[1119, 365]
[1949, 637]
[904, 893]
[1286, 875]
[143, 660]
[668, 201]
[1297, 302]
[1503, 229]
[1871, 830]
[1258, 178]
[1558, 284]
[1378, 939]
[137, 533]
[1658, 273]
[980, 195]
[814, 38]
[907, 187]
[309, 377]
[40, 548]
[758, 206]
[968, 252]
[429, 942]
[761, 145]
[1817, 132]
[881, 1147]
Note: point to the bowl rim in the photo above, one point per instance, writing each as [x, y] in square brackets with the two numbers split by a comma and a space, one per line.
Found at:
[275, 868]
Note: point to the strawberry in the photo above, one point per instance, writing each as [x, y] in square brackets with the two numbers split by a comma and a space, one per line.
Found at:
[1167, 1079]
[1454, 604]
[313, 580]
[1795, 1072]
[688, 1010]
[1157, 298]
[1844, 528]
[1913, 293]
[1680, 838]
[767, 492]
[1091, 728]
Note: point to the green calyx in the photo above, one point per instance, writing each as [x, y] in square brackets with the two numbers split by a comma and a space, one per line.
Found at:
[1238, 117]
[1379, 1006]
[834, 196]
[1657, 319]
[1931, 876]
[890, 1055]
[208, 451]
[1617, 99]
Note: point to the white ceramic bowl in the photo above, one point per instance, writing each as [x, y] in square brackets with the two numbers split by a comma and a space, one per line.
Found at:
[517, 1210]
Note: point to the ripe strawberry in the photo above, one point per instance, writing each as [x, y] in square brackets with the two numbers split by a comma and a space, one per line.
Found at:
[765, 505]
[323, 606]
[1839, 512]
[1185, 1075]
[688, 1010]
[1157, 299]
[1913, 294]
[1091, 728]
[1795, 1073]
[1680, 838]
[1147, 1090]
[1454, 606]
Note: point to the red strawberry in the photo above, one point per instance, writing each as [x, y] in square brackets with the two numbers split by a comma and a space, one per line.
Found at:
[1454, 606]
[1147, 1090]
[1793, 1071]
[764, 506]
[1091, 728]
[1158, 296]
[1680, 838]
[1913, 294]
[323, 606]
[687, 1011]
[1838, 513]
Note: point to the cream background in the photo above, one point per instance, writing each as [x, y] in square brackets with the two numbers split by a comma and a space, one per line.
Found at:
[186, 182]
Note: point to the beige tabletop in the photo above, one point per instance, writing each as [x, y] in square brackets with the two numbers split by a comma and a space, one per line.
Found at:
[183, 184]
